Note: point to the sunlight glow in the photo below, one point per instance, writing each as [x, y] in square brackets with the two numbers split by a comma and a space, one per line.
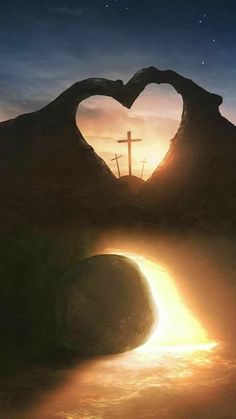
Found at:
[178, 356]
[155, 117]
[177, 329]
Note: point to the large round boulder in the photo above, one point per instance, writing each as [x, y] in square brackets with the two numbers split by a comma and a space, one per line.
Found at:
[104, 306]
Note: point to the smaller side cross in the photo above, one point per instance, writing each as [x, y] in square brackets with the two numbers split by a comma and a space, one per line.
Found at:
[144, 162]
[117, 162]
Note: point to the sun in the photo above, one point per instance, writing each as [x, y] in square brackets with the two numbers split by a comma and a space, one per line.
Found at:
[177, 327]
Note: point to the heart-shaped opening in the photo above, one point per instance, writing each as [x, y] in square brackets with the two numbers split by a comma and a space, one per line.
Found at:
[154, 117]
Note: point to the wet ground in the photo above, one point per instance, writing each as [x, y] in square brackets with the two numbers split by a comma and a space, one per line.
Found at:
[192, 381]
[171, 383]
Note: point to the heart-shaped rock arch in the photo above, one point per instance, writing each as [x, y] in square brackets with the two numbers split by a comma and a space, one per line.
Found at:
[45, 157]
[196, 100]
[126, 94]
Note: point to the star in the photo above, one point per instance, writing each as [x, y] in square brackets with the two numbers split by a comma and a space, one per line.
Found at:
[203, 62]
[107, 5]
[200, 21]
[213, 40]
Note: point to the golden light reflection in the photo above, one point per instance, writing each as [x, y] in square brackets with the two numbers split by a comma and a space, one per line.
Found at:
[177, 329]
[177, 362]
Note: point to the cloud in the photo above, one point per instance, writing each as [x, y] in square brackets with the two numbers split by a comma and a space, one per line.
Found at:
[77, 12]
[103, 117]
[102, 122]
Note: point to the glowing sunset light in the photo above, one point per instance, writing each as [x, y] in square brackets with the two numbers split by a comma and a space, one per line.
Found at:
[177, 329]
[154, 117]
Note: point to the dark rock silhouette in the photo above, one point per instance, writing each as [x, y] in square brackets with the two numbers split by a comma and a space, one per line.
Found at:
[50, 173]
[51, 308]
[196, 181]
[104, 306]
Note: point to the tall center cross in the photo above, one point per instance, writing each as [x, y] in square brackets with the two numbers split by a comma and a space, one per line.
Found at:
[129, 141]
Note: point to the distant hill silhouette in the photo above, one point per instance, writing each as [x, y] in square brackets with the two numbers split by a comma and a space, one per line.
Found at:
[134, 183]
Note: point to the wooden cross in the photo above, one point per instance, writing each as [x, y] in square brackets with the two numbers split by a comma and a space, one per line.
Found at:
[144, 162]
[129, 141]
[117, 162]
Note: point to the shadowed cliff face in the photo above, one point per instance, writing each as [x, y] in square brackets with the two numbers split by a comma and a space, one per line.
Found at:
[49, 172]
[196, 181]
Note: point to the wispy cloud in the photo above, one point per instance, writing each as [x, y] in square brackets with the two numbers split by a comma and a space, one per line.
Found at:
[77, 12]
[103, 121]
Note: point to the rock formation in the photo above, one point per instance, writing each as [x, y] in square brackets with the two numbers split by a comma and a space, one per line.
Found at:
[196, 181]
[51, 177]
[97, 305]
[104, 306]
[49, 172]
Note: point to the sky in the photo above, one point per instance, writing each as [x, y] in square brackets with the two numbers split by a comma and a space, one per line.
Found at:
[45, 46]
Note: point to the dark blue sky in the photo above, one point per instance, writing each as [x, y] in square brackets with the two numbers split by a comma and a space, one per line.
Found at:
[47, 45]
